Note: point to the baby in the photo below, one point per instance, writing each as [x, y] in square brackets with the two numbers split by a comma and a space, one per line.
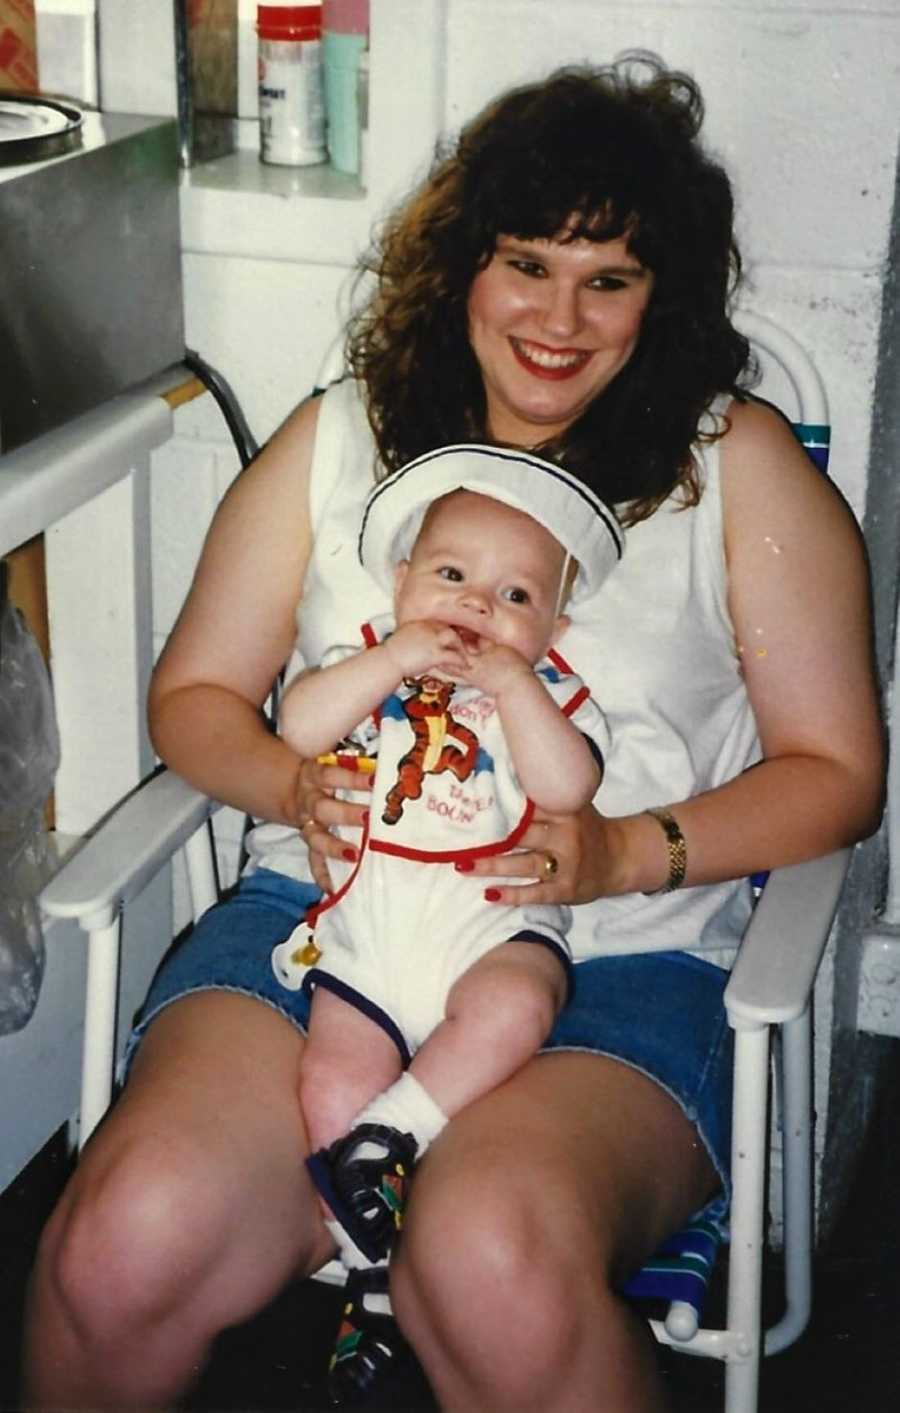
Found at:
[426, 992]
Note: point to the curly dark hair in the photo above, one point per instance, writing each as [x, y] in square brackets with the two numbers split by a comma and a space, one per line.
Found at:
[600, 154]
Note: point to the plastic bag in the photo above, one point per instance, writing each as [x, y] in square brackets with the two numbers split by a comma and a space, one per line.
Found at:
[29, 757]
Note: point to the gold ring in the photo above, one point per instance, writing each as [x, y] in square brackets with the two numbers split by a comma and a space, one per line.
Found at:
[550, 865]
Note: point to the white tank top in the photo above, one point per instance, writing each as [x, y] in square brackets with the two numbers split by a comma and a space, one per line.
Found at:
[655, 647]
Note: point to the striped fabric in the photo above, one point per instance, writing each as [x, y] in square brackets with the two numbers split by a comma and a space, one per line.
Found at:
[816, 439]
[680, 1270]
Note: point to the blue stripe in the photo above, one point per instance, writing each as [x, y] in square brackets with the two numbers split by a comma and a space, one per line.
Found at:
[680, 1270]
[815, 438]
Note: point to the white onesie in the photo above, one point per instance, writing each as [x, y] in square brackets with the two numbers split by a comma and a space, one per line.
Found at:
[404, 923]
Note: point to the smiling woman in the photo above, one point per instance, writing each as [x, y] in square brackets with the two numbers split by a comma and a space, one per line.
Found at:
[552, 255]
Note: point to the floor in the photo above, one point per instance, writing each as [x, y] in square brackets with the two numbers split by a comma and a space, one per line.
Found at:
[848, 1361]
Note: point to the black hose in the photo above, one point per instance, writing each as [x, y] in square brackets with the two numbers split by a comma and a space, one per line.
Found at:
[246, 443]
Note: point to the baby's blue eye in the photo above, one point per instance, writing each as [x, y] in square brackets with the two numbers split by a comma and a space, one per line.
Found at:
[447, 571]
[517, 595]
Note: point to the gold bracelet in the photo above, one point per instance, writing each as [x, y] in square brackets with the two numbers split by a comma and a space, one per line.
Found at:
[677, 851]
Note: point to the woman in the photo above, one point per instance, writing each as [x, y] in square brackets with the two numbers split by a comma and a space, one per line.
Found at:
[559, 283]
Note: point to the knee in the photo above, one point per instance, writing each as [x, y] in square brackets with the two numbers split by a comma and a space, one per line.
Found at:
[127, 1244]
[497, 1273]
[513, 1000]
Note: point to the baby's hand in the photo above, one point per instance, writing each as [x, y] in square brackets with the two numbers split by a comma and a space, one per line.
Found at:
[494, 668]
[423, 646]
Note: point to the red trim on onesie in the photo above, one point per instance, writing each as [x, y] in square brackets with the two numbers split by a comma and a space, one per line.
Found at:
[371, 641]
[575, 701]
[559, 661]
[478, 851]
[315, 912]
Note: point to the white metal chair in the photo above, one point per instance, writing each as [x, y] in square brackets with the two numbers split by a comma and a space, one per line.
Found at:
[770, 989]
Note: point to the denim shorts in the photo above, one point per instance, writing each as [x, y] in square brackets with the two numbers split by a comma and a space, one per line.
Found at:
[659, 1012]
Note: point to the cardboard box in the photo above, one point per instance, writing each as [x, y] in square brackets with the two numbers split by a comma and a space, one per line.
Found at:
[18, 47]
[209, 29]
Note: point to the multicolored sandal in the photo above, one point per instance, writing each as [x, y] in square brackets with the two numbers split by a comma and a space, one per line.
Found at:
[369, 1345]
[367, 1195]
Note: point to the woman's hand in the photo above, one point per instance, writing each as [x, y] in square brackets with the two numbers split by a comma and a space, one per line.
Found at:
[319, 812]
[573, 858]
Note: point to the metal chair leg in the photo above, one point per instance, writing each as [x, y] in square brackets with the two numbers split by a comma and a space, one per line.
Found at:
[796, 1118]
[98, 1057]
[745, 1257]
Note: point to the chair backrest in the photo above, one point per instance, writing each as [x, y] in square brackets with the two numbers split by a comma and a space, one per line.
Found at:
[791, 381]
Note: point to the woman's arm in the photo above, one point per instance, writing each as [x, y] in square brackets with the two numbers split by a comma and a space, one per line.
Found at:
[799, 601]
[232, 638]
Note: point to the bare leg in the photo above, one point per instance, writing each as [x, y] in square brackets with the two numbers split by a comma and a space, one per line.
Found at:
[498, 1015]
[348, 1060]
[525, 1215]
[191, 1208]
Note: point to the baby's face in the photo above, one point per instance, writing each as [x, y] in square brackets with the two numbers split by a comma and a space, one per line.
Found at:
[490, 571]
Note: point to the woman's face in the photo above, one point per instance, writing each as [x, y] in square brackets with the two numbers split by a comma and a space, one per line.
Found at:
[551, 325]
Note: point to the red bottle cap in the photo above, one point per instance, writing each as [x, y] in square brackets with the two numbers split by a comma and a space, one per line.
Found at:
[289, 21]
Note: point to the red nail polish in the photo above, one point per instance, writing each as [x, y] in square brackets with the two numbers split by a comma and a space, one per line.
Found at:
[349, 854]
[464, 866]
[492, 895]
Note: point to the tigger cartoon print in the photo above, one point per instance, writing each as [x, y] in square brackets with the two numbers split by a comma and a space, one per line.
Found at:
[440, 743]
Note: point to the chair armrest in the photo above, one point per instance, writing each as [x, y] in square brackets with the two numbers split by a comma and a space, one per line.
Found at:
[776, 966]
[130, 846]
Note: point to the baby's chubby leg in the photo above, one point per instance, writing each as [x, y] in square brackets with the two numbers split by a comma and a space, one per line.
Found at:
[348, 1060]
[498, 1015]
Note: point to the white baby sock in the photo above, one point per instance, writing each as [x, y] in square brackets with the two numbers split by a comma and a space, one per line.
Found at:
[408, 1107]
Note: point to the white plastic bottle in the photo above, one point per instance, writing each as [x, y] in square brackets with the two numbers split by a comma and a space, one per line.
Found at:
[291, 96]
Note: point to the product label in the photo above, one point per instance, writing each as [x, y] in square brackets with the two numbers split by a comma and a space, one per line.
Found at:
[18, 46]
[291, 103]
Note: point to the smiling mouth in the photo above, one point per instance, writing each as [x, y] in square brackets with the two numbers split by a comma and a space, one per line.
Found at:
[468, 637]
[549, 362]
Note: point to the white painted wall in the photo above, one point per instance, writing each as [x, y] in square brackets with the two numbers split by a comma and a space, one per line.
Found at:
[802, 106]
